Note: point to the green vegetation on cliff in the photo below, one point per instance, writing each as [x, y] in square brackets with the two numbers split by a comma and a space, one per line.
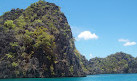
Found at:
[115, 63]
[37, 42]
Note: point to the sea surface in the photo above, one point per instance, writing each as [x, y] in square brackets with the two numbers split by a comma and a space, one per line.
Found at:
[102, 77]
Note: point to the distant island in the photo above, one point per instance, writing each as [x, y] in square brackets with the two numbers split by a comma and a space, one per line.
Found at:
[113, 64]
[37, 43]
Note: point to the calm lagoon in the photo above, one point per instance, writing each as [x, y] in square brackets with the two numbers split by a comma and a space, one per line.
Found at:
[102, 77]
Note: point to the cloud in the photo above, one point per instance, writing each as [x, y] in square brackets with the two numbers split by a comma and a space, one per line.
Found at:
[91, 56]
[123, 40]
[86, 35]
[127, 42]
[130, 43]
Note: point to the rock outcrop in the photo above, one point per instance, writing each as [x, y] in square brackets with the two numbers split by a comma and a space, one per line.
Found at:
[37, 42]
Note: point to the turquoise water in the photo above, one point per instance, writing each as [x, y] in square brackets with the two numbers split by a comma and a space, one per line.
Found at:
[102, 77]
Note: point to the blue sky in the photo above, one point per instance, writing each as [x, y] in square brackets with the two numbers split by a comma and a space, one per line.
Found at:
[100, 27]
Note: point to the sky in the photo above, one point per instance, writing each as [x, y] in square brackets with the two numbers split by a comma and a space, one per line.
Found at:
[100, 27]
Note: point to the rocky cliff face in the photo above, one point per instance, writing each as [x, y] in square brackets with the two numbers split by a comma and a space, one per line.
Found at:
[38, 42]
